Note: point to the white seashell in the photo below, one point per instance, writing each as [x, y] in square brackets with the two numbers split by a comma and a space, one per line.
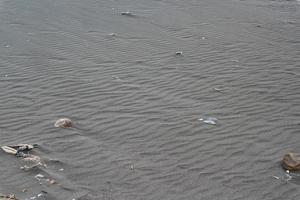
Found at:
[9, 150]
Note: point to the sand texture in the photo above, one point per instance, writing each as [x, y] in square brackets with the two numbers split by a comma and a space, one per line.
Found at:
[169, 99]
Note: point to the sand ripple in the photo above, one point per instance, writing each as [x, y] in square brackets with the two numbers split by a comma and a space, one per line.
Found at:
[136, 105]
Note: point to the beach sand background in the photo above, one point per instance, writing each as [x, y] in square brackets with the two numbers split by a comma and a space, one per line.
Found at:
[136, 105]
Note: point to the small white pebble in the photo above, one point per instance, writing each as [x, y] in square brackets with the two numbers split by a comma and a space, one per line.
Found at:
[61, 169]
[203, 38]
[288, 171]
[39, 195]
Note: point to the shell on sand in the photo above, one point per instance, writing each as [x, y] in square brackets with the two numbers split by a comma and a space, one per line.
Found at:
[63, 123]
[9, 150]
[291, 162]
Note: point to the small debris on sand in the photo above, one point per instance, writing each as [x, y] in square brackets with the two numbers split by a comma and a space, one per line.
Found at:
[7, 197]
[179, 53]
[218, 90]
[18, 150]
[291, 162]
[131, 167]
[127, 13]
[41, 195]
[209, 120]
[22, 150]
[43, 179]
[64, 123]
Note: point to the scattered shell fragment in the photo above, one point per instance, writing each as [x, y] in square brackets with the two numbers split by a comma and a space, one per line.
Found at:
[9, 150]
[41, 195]
[209, 120]
[32, 158]
[51, 181]
[63, 123]
[127, 13]
[179, 53]
[131, 167]
[43, 179]
[39, 176]
[218, 90]
[7, 197]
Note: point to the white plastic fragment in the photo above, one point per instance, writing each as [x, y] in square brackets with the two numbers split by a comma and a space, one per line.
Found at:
[209, 120]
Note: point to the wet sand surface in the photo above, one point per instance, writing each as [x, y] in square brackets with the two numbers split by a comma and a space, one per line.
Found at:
[139, 109]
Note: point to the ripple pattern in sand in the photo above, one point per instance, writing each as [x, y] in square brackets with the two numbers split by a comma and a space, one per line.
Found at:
[136, 105]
